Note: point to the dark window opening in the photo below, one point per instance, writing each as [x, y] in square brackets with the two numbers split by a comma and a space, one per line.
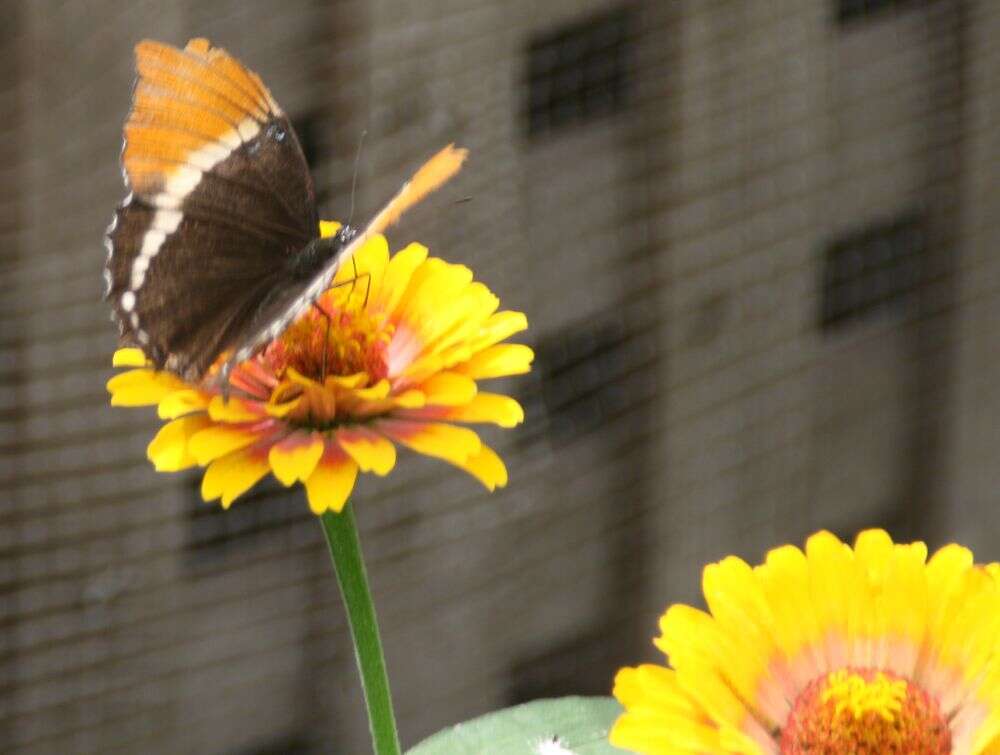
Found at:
[578, 72]
[585, 375]
[850, 11]
[871, 270]
[265, 511]
[290, 745]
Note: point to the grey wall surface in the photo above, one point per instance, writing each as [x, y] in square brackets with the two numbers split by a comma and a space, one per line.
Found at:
[687, 402]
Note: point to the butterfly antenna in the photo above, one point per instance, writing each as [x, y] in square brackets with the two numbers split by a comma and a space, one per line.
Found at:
[354, 178]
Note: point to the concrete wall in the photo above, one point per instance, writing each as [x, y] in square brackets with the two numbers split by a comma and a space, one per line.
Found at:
[680, 241]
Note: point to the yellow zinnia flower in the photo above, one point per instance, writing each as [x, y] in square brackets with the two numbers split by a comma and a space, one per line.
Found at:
[872, 650]
[406, 338]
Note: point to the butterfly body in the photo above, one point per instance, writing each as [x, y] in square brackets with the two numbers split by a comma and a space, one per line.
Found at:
[216, 249]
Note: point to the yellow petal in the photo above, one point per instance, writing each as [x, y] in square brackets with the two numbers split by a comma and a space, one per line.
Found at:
[234, 410]
[232, 475]
[169, 448]
[182, 402]
[874, 549]
[412, 399]
[463, 321]
[294, 458]
[346, 381]
[143, 387]
[371, 451]
[129, 358]
[397, 277]
[434, 291]
[375, 392]
[488, 468]
[500, 326]
[449, 389]
[328, 228]
[219, 440]
[367, 261]
[330, 484]
[282, 410]
[448, 308]
[373, 262]
[489, 407]
[499, 360]
[437, 439]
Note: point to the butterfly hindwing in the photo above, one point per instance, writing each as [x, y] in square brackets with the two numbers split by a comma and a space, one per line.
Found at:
[201, 295]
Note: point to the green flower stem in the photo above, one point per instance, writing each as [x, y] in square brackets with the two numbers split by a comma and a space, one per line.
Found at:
[345, 550]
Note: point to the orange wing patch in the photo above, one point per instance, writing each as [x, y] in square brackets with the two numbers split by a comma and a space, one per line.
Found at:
[190, 109]
[429, 177]
[229, 67]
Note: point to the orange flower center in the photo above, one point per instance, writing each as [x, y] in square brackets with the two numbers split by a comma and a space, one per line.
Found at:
[866, 712]
[354, 342]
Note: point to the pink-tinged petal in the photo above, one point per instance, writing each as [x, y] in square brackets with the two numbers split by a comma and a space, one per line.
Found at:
[235, 410]
[330, 484]
[449, 389]
[254, 379]
[442, 441]
[417, 370]
[403, 350]
[294, 458]
[371, 451]
[143, 387]
[129, 358]
[232, 475]
[179, 403]
[488, 468]
[499, 360]
[169, 448]
[217, 441]
[397, 278]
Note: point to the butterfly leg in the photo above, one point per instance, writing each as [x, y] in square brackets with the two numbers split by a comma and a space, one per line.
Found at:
[326, 338]
[358, 276]
[329, 316]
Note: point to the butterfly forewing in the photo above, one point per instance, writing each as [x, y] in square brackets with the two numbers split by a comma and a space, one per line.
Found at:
[221, 198]
[215, 249]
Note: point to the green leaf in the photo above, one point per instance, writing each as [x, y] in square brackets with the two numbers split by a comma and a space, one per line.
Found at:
[581, 725]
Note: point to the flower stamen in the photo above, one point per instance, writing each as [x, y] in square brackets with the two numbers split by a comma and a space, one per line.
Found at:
[868, 712]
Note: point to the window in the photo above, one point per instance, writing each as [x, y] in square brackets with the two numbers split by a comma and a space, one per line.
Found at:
[265, 511]
[587, 374]
[849, 11]
[579, 72]
[871, 270]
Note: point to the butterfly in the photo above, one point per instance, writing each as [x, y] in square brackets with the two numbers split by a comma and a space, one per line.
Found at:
[216, 249]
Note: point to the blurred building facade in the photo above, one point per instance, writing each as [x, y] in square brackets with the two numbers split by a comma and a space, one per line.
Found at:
[755, 242]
